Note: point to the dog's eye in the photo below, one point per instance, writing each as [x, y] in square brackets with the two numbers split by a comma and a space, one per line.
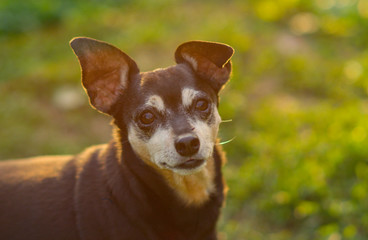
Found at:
[202, 105]
[147, 118]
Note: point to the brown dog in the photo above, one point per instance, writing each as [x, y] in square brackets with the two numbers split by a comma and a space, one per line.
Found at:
[160, 178]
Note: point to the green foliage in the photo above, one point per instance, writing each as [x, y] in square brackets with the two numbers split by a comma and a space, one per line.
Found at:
[297, 166]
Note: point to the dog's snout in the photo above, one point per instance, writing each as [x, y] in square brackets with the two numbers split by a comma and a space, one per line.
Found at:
[187, 146]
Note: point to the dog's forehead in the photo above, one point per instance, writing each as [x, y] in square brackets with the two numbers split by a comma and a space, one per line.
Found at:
[168, 80]
[167, 85]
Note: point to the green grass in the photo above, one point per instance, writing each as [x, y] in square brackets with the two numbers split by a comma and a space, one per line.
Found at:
[298, 166]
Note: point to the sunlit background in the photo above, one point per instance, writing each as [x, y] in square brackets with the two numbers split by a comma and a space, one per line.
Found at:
[298, 99]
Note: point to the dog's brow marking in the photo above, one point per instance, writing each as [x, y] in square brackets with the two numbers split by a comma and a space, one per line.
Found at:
[187, 95]
[156, 102]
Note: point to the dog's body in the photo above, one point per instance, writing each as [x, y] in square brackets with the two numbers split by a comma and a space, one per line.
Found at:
[160, 178]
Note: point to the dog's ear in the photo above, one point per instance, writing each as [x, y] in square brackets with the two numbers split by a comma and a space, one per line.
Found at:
[106, 71]
[210, 60]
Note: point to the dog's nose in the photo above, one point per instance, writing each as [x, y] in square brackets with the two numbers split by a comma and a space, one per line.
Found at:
[187, 146]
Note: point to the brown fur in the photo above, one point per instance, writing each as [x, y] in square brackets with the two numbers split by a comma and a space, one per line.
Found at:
[109, 191]
[192, 189]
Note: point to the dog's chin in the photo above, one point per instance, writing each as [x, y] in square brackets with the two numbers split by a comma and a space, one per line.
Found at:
[188, 167]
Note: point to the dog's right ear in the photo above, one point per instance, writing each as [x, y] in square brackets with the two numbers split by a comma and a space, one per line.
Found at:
[106, 71]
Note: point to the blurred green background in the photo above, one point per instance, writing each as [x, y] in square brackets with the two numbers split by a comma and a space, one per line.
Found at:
[298, 166]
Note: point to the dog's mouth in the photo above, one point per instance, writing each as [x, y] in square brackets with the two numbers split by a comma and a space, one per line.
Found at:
[190, 164]
[187, 165]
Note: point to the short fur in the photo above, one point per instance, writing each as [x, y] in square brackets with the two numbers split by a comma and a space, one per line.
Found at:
[116, 190]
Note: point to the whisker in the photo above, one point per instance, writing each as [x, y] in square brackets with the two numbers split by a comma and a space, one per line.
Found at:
[225, 142]
[226, 121]
[123, 142]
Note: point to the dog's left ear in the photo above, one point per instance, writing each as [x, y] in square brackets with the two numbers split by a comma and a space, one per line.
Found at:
[210, 60]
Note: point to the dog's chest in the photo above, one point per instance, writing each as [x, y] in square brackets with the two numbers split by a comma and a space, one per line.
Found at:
[136, 203]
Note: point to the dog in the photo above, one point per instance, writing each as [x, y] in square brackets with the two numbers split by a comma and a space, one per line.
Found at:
[158, 179]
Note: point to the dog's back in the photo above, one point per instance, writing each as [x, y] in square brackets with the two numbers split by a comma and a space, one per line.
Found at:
[87, 197]
[38, 190]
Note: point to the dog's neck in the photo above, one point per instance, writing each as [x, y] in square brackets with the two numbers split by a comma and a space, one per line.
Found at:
[129, 180]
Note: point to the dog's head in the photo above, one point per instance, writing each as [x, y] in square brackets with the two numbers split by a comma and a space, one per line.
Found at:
[170, 114]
